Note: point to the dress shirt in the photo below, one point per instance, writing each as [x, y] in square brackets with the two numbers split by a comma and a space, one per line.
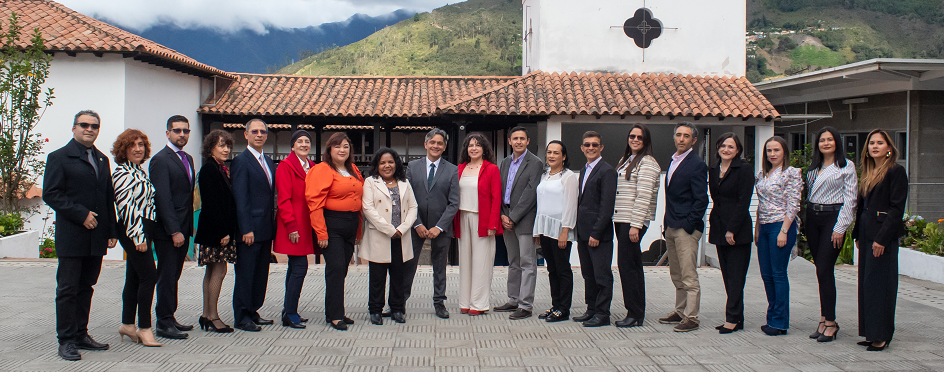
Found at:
[260, 158]
[834, 185]
[586, 174]
[778, 195]
[676, 160]
[304, 162]
[512, 171]
[428, 162]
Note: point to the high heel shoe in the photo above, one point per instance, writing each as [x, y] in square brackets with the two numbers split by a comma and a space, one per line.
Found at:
[725, 330]
[864, 343]
[128, 330]
[824, 338]
[872, 347]
[817, 333]
[147, 338]
[212, 327]
[203, 322]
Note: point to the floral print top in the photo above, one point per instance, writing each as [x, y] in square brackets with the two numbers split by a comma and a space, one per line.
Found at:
[778, 195]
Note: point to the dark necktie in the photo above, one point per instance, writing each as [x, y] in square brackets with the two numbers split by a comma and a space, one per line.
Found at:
[432, 172]
[183, 158]
[91, 159]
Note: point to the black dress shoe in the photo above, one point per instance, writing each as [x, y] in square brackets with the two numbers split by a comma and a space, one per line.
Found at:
[505, 307]
[262, 321]
[545, 313]
[304, 320]
[287, 322]
[557, 316]
[441, 311]
[349, 320]
[181, 327]
[249, 327]
[598, 320]
[67, 351]
[397, 317]
[341, 326]
[170, 332]
[629, 322]
[520, 314]
[583, 318]
[771, 331]
[376, 319]
[385, 314]
[87, 343]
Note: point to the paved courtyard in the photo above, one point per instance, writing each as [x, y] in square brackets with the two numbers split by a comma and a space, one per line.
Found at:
[462, 343]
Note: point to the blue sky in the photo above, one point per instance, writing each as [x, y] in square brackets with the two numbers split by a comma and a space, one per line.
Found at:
[231, 15]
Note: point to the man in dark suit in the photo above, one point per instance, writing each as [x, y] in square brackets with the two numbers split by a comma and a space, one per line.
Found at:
[77, 185]
[520, 175]
[686, 199]
[171, 172]
[435, 184]
[595, 231]
[254, 191]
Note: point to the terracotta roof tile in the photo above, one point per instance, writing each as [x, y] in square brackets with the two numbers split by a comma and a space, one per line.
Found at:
[66, 30]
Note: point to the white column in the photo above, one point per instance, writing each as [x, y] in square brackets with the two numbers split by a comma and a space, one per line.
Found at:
[762, 132]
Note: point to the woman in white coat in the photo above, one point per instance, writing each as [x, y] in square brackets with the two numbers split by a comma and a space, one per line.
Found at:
[389, 211]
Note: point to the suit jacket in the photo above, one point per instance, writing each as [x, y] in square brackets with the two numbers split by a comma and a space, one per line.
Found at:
[489, 191]
[293, 213]
[524, 197]
[218, 213]
[71, 188]
[255, 197]
[173, 193]
[686, 195]
[879, 213]
[732, 203]
[378, 213]
[436, 205]
[596, 202]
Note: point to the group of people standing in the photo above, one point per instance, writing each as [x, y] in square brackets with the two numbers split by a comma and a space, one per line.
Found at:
[302, 208]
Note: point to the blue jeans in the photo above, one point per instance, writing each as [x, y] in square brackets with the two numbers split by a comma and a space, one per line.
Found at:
[773, 262]
[294, 278]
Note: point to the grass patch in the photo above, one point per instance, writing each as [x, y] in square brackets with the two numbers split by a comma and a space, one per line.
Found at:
[813, 56]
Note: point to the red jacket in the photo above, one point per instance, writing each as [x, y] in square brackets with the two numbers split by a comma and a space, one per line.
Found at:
[293, 212]
[489, 200]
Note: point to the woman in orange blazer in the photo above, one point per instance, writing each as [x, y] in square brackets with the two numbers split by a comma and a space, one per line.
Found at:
[477, 222]
[293, 224]
[334, 189]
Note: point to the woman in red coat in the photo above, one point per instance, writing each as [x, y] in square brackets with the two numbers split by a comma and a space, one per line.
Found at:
[293, 228]
[477, 222]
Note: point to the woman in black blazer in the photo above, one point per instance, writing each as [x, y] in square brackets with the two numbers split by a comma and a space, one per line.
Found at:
[731, 183]
[216, 227]
[883, 191]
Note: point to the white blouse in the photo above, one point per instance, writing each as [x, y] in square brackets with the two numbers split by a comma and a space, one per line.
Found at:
[469, 193]
[557, 204]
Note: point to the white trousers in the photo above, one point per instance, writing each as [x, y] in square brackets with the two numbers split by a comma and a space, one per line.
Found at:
[476, 263]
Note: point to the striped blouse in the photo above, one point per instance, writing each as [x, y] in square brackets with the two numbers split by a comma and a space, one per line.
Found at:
[778, 195]
[636, 198]
[134, 199]
[834, 185]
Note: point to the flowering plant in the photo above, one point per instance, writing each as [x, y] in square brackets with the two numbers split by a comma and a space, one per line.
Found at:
[933, 243]
[914, 230]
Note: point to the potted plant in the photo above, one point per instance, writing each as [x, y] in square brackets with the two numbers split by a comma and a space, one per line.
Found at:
[922, 253]
[23, 70]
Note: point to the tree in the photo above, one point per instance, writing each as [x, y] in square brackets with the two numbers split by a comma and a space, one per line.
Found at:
[22, 105]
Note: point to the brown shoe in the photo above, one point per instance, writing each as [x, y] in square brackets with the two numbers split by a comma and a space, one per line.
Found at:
[673, 318]
[687, 325]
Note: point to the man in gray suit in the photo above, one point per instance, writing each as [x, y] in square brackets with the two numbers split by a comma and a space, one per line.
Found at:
[520, 175]
[435, 183]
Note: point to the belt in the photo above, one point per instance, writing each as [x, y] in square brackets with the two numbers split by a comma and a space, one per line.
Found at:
[824, 207]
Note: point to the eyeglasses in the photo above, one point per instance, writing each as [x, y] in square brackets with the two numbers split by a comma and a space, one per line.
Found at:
[180, 130]
[87, 125]
[258, 132]
[634, 137]
[591, 145]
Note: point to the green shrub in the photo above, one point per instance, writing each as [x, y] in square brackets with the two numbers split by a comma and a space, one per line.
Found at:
[933, 243]
[47, 249]
[10, 223]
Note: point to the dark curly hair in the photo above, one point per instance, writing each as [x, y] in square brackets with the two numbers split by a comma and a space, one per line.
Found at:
[125, 141]
[212, 139]
[488, 154]
[399, 172]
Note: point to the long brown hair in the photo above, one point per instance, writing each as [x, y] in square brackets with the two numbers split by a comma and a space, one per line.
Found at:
[335, 140]
[488, 154]
[646, 149]
[768, 166]
[873, 173]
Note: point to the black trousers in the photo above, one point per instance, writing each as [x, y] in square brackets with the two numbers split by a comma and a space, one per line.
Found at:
[596, 266]
[294, 279]
[342, 231]
[140, 278]
[734, 261]
[438, 255]
[252, 279]
[819, 235]
[632, 278]
[170, 264]
[74, 280]
[378, 281]
[559, 274]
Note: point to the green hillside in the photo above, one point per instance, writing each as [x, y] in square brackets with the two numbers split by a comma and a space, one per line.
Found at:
[476, 37]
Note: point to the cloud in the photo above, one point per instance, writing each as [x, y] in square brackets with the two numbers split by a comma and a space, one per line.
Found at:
[233, 15]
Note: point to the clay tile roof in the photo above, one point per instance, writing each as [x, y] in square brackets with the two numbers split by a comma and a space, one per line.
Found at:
[537, 93]
[65, 30]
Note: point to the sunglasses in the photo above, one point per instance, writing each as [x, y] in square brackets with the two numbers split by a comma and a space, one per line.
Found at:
[87, 125]
[258, 131]
[633, 137]
[591, 145]
[179, 130]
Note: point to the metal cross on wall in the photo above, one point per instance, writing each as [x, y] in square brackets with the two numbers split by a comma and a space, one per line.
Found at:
[643, 28]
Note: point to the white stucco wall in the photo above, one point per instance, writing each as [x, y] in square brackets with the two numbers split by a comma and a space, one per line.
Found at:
[575, 36]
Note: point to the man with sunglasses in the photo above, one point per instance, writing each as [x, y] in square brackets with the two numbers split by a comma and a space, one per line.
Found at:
[77, 185]
[595, 202]
[173, 176]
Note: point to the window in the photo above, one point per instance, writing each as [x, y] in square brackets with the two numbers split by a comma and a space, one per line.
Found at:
[901, 142]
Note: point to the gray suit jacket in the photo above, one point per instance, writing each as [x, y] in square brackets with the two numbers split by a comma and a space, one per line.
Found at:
[437, 205]
[524, 204]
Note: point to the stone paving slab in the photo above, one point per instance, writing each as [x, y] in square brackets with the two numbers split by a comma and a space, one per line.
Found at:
[490, 342]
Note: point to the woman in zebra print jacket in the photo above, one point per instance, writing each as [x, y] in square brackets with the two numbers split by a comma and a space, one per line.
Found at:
[134, 201]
